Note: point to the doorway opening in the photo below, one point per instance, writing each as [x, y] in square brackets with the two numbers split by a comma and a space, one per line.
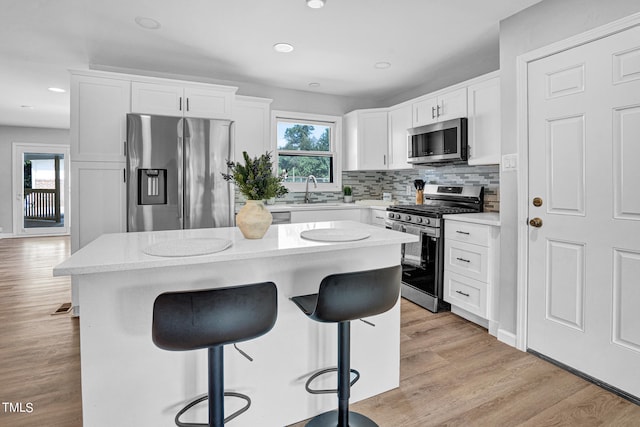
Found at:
[41, 202]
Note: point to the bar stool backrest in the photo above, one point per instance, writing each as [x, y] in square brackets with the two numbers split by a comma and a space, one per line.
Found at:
[350, 296]
[207, 318]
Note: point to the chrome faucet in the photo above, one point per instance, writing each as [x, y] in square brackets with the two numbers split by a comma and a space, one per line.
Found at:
[306, 190]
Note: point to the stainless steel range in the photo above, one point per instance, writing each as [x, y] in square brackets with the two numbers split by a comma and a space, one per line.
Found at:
[423, 262]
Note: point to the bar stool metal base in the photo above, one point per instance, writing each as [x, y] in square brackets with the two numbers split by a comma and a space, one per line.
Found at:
[330, 419]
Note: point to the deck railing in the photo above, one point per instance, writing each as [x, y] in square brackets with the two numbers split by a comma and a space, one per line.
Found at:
[42, 204]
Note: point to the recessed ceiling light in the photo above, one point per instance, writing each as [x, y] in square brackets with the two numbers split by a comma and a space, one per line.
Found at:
[147, 23]
[314, 84]
[382, 65]
[57, 90]
[283, 47]
[27, 107]
[315, 4]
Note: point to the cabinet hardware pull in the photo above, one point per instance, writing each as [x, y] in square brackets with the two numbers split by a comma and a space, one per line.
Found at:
[180, 104]
[384, 159]
[438, 110]
[187, 104]
[433, 112]
[462, 259]
[462, 293]
[462, 232]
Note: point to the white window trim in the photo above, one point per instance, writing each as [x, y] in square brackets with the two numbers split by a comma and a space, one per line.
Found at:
[336, 140]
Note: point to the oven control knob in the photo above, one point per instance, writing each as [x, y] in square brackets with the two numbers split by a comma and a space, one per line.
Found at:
[407, 218]
[418, 220]
[427, 221]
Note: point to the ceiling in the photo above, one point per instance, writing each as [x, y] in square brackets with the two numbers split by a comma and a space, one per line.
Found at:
[231, 40]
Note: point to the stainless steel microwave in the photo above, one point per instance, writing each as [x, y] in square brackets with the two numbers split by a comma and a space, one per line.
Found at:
[438, 142]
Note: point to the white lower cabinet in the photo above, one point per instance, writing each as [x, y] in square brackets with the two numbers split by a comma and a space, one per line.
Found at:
[471, 254]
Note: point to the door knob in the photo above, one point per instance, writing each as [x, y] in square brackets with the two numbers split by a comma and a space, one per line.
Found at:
[536, 222]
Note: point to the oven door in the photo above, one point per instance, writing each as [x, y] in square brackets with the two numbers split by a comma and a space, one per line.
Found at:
[422, 266]
[421, 260]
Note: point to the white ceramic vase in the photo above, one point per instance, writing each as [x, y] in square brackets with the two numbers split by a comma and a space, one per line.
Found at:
[253, 219]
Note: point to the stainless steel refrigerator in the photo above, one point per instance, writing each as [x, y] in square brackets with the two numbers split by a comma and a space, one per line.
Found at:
[174, 170]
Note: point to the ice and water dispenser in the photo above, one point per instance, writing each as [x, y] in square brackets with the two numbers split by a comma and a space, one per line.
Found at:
[152, 186]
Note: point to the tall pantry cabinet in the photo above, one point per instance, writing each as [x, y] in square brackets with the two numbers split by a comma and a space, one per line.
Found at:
[99, 106]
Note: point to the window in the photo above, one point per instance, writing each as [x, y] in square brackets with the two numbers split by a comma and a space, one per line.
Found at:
[307, 145]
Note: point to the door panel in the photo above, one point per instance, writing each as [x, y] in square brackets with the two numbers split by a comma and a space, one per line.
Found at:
[626, 152]
[565, 283]
[565, 165]
[584, 254]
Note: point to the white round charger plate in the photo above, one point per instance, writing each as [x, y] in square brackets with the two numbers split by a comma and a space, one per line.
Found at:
[187, 247]
[334, 235]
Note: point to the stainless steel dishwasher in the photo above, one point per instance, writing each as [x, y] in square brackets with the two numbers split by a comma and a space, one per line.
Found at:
[281, 217]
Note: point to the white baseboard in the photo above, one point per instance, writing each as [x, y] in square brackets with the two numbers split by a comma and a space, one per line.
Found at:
[508, 338]
[470, 316]
[5, 235]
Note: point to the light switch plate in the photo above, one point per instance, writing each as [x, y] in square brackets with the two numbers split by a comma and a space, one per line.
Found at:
[509, 162]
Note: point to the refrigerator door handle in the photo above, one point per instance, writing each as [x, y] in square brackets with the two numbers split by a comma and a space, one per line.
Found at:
[181, 192]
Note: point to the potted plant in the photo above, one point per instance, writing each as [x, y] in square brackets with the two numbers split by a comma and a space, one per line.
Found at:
[348, 197]
[256, 182]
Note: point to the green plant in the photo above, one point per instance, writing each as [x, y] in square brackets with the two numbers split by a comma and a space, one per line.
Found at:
[255, 179]
[346, 190]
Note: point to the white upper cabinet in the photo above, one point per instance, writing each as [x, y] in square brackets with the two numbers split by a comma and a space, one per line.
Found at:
[484, 122]
[365, 144]
[444, 106]
[399, 122]
[252, 126]
[202, 101]
[99, 108]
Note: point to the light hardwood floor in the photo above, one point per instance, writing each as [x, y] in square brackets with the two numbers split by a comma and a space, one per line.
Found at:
[452, 372]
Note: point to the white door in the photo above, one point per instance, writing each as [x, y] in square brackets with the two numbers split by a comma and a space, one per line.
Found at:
[584, 258]
[40, 189]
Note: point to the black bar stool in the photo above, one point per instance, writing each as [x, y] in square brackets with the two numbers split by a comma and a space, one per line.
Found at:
[210, 319]
[340, 299]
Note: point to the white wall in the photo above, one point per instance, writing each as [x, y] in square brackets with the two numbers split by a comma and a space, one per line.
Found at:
[9, 135]
[540, 25]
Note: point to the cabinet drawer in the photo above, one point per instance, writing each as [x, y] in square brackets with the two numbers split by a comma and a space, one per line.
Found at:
[466, 293]
[466, 259]
[478, 234]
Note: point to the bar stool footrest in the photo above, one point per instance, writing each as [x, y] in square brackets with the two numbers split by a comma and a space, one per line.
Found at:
[326, 371]
[193, 403]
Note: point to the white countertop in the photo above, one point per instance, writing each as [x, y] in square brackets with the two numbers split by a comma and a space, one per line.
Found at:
[486, 218]
[124, 251]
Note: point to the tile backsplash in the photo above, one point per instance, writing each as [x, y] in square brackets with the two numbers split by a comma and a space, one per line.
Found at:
[371, 184]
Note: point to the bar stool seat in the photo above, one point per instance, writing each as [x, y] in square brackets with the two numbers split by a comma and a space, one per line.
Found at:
[191, 320]
[342, 298]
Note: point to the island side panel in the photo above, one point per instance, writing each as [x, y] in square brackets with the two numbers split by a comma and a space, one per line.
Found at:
[127, 380]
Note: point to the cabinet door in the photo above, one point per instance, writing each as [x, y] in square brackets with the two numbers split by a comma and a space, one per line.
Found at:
[252, 125]
[399, 122]
[150, 98]
[425, 112]
[452, 105]
[207, 103]
[98, 201]
[99, 107]
[372, 140]
[484, 122]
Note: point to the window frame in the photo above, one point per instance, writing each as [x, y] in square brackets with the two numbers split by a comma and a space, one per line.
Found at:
[335, 140]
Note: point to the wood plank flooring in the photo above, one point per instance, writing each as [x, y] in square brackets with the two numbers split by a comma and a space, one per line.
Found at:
[452, 372]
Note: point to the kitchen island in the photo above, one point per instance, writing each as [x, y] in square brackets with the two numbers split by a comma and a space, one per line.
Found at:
[127, 380]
